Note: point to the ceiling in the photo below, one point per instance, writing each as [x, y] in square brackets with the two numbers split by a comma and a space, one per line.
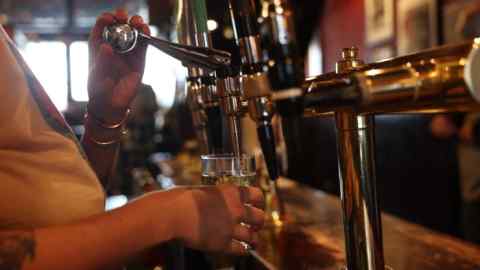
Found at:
[62, 15]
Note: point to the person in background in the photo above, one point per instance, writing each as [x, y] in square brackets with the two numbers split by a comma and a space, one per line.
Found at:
[466, 130]
[52, 204]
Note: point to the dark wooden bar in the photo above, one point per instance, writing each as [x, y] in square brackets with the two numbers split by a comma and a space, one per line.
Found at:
[313, 238]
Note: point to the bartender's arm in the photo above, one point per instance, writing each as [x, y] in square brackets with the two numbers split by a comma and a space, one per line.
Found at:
[113, 84]
[207, 218]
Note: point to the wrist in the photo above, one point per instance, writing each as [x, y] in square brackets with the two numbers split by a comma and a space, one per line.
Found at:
[101, 136]
[102, 133]
[176, 205]
[107, 115]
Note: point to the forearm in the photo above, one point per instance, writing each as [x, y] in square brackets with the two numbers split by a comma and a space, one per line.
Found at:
[102, 160]
[102, 242]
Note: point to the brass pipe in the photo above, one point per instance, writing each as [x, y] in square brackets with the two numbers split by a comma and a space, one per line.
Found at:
[356, 165]
[361, 214]
[441, 79]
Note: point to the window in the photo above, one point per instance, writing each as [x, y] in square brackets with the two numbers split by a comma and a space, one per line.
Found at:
[48, 61]
[160, 73]
[79, 70]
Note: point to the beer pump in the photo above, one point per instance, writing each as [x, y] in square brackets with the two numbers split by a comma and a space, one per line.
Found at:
[286, 74]
[444, 79]
[202, 92]
[254, 79]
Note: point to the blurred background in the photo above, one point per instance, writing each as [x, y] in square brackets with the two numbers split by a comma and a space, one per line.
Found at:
[427, 167]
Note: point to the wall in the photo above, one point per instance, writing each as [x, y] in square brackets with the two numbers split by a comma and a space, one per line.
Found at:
[416, 173]
[341, 25]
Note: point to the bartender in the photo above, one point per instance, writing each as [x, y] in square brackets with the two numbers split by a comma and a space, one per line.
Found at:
[52, 201]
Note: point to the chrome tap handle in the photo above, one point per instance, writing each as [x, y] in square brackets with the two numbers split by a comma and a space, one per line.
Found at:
[123, 38]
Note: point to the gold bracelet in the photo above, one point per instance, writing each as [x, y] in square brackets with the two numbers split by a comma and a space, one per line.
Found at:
[106, 143]
[105, 125]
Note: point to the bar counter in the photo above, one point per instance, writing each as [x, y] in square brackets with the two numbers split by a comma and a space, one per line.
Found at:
[313, 238]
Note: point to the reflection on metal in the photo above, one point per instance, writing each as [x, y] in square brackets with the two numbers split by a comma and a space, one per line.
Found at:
[424, 82]
[254, 80]
[231, 102]
[438, 80]
[361, 215]
[356, 162]
[125, 38]
[203, 99]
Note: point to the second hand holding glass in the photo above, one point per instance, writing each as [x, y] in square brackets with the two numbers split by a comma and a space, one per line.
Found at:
[237, 170]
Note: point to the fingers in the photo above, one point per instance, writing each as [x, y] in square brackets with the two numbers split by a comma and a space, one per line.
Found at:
[252, 196]
[243, 233]
[138, 23]
[121, 15]
[256, 198]
[253, 217]
[104, 20]
[237, 248]
[96, 34]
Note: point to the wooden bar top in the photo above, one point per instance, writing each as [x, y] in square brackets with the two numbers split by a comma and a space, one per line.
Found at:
[313, 238]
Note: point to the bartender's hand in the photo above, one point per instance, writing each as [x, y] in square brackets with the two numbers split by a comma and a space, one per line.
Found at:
[216, 218]
[114, 78]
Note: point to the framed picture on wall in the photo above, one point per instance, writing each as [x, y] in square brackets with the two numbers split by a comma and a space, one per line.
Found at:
[461, 20]
[379, 20]
[381, 53]
[417, 25]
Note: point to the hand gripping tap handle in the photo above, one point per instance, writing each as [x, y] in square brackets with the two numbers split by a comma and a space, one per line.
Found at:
[123, 38]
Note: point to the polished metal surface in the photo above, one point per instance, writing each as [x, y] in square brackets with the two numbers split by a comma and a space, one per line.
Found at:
[255, 84]
[356, 162]
[440, 79]
[250, 49]
[232, 107]
[191, 22]
[350, 60]
[361, 215]
[125, 38]
[192, 30]
[199, 117]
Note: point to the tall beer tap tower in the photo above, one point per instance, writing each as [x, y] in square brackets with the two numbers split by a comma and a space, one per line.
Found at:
[202, 95]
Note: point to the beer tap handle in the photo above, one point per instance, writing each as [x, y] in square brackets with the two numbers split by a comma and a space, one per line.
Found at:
[125, 38]
[267, 143]
[256, 86]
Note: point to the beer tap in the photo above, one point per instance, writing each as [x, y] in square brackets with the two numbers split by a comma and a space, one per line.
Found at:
[124, 38]
[196, 55]
[285, 70]
[202, 92]
[231, 102]
[254, 79]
